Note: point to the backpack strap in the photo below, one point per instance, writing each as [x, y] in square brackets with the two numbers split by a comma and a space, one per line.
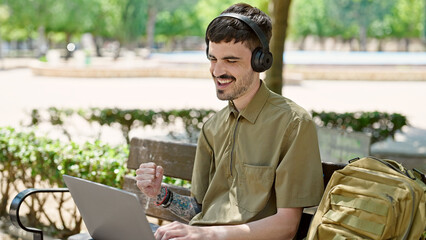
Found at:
[419, 175]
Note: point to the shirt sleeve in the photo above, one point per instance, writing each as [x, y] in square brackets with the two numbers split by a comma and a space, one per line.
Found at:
[204, 161]
[299, 180]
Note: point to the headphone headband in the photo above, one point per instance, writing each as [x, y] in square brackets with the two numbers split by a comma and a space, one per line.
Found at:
[252, 25]
[261, 57]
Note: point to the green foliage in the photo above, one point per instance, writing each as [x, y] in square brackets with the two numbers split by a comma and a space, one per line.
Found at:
[129, 119]
[209, 9]
[50, 159]
[310, 20]
[181, 22]
[177, 182]
[32, 161]
[132, 20]
[408, 19]
[363, 14]
[380, 125]
[126, 20]
[122, 20]
[43, 59]
[350, 18]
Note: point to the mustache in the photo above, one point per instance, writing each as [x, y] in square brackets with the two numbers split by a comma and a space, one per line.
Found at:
[224, 76]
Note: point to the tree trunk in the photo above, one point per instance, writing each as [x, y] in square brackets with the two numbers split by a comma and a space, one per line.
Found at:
[68, 40]
[406, 44]
[363, 38]
[380, 45]
[301, 46]
[279, 10]
[98, 45]
[117, 51]
[41, 42]
[150, 25]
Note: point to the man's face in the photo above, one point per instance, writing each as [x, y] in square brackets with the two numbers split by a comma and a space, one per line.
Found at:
[230, 66]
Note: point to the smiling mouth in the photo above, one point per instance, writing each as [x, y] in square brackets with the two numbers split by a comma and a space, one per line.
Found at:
[224, 80]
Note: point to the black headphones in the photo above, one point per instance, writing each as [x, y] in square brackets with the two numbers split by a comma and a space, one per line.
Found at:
[261, 57]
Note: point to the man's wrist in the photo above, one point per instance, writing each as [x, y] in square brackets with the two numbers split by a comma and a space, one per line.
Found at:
[168, 200]
[165, 197]
[161, 197]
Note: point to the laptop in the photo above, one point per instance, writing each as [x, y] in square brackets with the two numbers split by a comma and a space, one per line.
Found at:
[109, 213]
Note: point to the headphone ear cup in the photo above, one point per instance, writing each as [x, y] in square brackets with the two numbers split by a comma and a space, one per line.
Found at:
[260, 60]
[267, 60]
[207, 48]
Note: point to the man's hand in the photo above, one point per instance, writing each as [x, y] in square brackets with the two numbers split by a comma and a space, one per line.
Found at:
[282, 225]
[180, 231]
[149, 177]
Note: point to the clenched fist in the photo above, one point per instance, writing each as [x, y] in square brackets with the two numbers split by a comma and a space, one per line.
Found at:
[149, 177]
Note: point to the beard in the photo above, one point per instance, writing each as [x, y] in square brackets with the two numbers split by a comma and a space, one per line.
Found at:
[237, 88]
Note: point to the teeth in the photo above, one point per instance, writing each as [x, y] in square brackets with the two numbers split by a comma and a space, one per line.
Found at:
[224, 81]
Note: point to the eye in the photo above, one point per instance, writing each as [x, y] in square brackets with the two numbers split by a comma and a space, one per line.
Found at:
[231, 61]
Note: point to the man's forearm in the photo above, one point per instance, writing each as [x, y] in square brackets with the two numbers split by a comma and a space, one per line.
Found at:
[282, 225]
[184, 207]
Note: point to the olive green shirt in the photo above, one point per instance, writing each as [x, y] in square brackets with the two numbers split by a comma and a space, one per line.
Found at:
[248, 164]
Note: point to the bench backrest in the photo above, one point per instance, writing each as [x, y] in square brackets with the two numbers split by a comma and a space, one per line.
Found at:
[177, 159]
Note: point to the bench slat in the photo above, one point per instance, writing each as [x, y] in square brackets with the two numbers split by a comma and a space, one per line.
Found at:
[177, 159]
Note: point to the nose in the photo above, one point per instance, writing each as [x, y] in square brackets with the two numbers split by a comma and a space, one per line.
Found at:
[217, 68]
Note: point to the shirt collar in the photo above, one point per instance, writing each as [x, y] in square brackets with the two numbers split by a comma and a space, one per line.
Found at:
[252, 111]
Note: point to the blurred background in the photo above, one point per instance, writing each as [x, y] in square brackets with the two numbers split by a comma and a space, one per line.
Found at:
[80, 78]
[105, 28]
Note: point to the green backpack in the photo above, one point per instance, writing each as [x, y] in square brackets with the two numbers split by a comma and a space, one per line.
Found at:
[371, 198]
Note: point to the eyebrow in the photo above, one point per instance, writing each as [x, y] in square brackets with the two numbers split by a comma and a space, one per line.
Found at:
[226, 57]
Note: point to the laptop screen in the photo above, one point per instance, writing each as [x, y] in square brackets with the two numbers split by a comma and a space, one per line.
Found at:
[109, 213]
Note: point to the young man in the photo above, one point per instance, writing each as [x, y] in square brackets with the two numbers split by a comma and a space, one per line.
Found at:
[257, 162]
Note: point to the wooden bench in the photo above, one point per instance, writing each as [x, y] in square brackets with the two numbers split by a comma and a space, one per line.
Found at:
[177, 160]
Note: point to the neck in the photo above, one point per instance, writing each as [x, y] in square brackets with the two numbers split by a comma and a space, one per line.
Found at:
[242, 102]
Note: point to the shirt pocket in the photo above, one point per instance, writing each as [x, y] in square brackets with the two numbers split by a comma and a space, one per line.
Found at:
[254, 187]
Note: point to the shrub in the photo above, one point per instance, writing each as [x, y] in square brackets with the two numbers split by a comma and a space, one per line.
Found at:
[128, 119]
[32, 161]
[379, 125]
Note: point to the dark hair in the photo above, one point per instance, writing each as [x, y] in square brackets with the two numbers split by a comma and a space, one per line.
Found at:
[228, 29]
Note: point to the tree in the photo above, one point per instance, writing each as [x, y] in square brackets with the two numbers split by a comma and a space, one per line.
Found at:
[361, 13]
[72, 18]
[209, 9]
[163, 6]
[308, 21]
[177, 19]
[28, 17]
[106, 24]
[406, 20]
[280, 11]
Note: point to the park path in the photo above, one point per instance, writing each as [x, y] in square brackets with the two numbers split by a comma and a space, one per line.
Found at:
[21, 91]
